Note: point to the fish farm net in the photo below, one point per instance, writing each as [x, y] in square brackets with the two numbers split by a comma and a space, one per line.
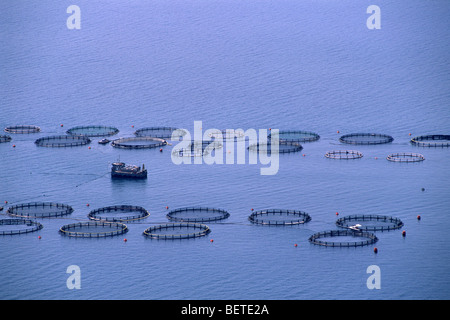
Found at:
[175, 231]
[93, 229]
[405, 157]
[197, 149]
[197, 214]
[139, 143]
[92, 131]
[22, 129]
[62, 141]
[227, 134]
[279, 217]
[283, 147]
[343, 154]
[347, 237]
[18, 226]
[120, 213]
[366, 138]
[161, 132]
[296, 136]
[434, 140]
[39, 210]
[369, 222]
[4, 138]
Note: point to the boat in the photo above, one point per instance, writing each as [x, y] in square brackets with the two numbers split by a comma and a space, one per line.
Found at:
[121, 170]
[104, 141]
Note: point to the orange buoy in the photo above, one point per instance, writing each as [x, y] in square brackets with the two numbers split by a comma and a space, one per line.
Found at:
[337, 213]
[409, 133]
[304, 155]
[295, 245]
[167, 207]
[160, 150]
[211, 240]
[404, 233]
[337, 131]
[375, 250]
[418, 217]
[125, 240]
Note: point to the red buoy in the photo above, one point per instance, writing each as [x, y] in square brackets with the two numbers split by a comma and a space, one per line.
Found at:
[62, 125]
[375, 250]
[252, 209]
[125, 240]
[337, 213]
[338, 131]
[404, 233]
[14, 145]
[39, 237]
[211, 240]
[160, 150]
[87, 204]
[167, 207]
[418, 217]
[295, 245]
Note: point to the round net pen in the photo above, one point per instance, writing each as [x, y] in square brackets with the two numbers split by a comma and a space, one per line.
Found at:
[18, 226]
[369, 223]
[433, 140]
[122, 213]
[321, 238]
[5, 138]
[62, 141]
[92, 131]
[366, 138]
[283, 147]
[161, 132]
[197, 149]
[175, 231]
[23, 129]
[227, 134]
[197, 214]
[279, 217]
[139, 143]
[296, 136]
[93, 229]
[39, 210]
[343, 154]
[405, 157]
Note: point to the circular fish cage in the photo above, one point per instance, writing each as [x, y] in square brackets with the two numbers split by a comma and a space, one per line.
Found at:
[296, 136]
[39, 210]
[433, 140]
[227, 134]
[279, 217]
[344, 154]
[138, 143]
[366, 138]
[18, 226]
[321, 238]
[5, 138]
[122, 213]
[405, 157]
[369, 222]
[22, 129]
[283, 147]
[62, 141]
[93, 229]
[197, 149]
[175, 231]
[161, 132]
[92, 131]
[197, 214]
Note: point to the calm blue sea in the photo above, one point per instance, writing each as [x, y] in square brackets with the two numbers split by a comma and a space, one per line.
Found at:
[300, 65]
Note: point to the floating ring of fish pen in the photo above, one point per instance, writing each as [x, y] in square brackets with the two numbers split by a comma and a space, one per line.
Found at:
[22, 129]
[197, 149]
[92, 131]
[5, 138]
[166, 231]
[227, 134]
[161, 132]
[296, 136]
[28, 226]
[197, 214]
[62, 141]
[405, 157]
[279, 217]
[316, 238]
[138, 143]
[366, 138]
[283, 147]
[439, 140]
[343, 154]
[116, 213]
[375, 222]
[39, 210]
[93, 229]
